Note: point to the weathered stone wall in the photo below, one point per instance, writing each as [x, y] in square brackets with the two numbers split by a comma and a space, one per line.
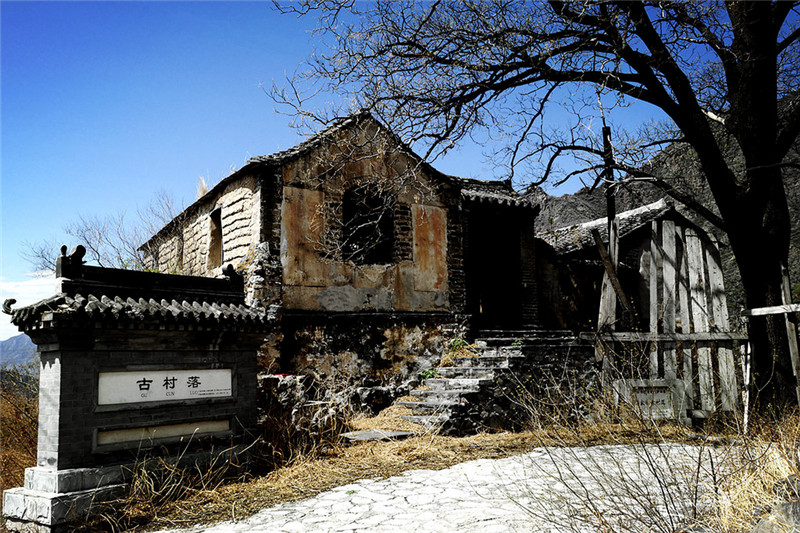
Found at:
[366, 349]
[558, 383]
[184, 247]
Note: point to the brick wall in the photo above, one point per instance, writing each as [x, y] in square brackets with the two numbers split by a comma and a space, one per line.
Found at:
[69, 416]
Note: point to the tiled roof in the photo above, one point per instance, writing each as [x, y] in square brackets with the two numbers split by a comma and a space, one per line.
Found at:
[496, 192]
[579, 236]
[237, 316]
[312, 142]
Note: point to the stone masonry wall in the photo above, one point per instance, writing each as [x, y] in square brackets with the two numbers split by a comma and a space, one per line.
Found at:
[558, 383]
[362, 349]
[185, 250]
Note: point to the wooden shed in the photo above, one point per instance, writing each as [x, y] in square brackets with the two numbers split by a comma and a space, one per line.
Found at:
[667, 307]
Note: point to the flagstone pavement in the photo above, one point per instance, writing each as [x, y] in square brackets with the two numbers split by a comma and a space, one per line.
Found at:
[546, 490]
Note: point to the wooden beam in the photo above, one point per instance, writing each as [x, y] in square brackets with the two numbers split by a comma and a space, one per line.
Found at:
[612, 275]
[772, 310]
[636, 336]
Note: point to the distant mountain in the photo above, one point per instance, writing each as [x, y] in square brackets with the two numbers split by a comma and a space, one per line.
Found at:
[17, 350]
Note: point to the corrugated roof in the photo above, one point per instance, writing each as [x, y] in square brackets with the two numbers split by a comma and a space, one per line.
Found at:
[579, 236]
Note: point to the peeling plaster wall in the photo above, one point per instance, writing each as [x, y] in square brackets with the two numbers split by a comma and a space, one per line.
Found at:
[316, 280]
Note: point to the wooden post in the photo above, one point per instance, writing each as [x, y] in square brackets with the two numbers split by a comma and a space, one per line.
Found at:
[668, 260]
[608, 303]
[655, 266]
[612, 276]
[791, 328]
[685, 314]
[719, 314]
[700, 318]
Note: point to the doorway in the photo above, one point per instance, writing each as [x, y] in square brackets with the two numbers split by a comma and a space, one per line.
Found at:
[492, 268]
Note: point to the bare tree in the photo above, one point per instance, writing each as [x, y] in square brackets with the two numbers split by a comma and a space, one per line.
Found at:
[113, 241]
[440, 72]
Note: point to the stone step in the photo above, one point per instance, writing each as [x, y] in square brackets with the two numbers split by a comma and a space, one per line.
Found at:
[428, 421]
[497, 342]
[483, 361]
[430, 407]
[499, 351]
[471, 384]
[460, 372]
[440, 395]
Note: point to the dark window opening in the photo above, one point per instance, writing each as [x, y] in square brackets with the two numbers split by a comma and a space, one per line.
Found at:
[368, 226]
[215, 239]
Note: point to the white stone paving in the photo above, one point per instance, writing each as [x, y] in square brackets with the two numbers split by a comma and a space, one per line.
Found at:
[546, 490]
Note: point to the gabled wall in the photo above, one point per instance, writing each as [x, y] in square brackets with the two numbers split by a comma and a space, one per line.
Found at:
[315, 275]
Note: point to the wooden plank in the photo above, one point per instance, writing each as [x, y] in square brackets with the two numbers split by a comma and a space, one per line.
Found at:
[684, 306]
[772, 310]
[668, 264]
[612, 275]
[791, 328]
[607, 315]
[719, 316]
[655, 264]
[700, 322]
[636, 336]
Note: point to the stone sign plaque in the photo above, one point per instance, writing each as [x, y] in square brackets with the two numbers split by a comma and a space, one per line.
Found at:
[138, 386]
[140, 434]
[656, 399]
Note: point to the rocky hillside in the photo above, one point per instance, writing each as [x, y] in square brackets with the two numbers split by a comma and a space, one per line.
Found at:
[680, 166]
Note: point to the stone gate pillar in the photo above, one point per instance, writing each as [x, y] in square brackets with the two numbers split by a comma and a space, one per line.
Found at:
[130, 361]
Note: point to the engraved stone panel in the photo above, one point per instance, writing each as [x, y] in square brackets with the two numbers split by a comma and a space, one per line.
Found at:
[162, 385]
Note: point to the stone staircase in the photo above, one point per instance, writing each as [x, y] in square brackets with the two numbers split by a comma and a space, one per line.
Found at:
[471, 395]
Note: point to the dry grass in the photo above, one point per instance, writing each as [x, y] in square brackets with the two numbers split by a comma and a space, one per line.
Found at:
[19, 428]
[389, 418]
[309, 475]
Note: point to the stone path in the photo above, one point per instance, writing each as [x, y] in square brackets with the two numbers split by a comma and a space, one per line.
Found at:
[547, 490]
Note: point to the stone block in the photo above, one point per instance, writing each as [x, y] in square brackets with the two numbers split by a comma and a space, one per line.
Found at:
[784, 518]
[26, 509]
[40, 479]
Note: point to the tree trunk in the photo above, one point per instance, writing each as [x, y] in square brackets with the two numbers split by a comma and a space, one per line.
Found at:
[759, 238]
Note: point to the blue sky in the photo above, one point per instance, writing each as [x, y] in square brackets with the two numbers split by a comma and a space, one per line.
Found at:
[104, 104]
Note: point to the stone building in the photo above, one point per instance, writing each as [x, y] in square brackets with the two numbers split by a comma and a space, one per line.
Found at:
[368, 252]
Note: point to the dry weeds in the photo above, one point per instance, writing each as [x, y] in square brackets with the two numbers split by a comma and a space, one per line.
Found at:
[18, 430]
[308, 476]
